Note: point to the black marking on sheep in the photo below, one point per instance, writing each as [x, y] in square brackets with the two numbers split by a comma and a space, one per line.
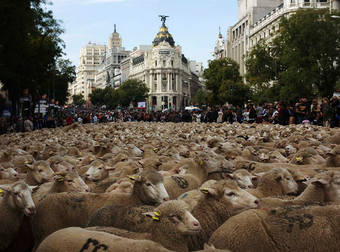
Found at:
[304, 221]
[96, 245]
[180, 181]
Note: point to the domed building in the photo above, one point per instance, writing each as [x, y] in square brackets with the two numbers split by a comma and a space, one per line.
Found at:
[165, 70]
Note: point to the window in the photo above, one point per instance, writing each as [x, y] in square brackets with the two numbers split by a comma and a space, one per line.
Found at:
[155, 77]
[155, 86]
[156, 63]
[164, 63]
[172, 63]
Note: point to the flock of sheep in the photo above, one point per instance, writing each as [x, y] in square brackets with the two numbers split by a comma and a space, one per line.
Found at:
[170, 187]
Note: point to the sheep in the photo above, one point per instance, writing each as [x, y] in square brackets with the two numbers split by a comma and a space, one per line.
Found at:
[57, 211]
[277, 182]
[121, 186]
[244, 178]
[63, 182]
[169, 224]
[222, 200]
[333, 157]
[38, 173]
[14, 205]
[9, 173]
[323, 188]
[292, 228]
[79, 239]
[97, 171]
[191, 175]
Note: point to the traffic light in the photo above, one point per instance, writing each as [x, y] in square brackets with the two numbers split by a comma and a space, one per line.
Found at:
[231, 88]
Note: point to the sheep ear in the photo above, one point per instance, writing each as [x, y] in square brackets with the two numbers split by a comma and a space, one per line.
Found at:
[209, 190]
[207, 246]
[136, 178]
[6, 188]
[109, 168]
[29, 166]
[153, 215]
[278, 178]
[320, 183]
[260, 174]
[33, 188]
[228, 176]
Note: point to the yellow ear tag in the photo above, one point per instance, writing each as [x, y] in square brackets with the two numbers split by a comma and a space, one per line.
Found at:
[26, 162]
[60, 180]
[1, 192]
[201, 162]
[205, 190]
[299, 159]
[132, 177]
[155, 218]
[155, 150]
[157, 214]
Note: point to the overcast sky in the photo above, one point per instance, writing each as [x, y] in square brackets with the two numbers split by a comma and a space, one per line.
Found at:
[193, 23]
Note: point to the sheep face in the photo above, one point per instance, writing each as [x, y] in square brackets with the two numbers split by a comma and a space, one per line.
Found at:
[71, 183]
[176, 217]
[151, 185]
[244, 179]
[21, 197]
[9, 173]
[231, 194]
[40, 171]
[97, 171]
[286, 181]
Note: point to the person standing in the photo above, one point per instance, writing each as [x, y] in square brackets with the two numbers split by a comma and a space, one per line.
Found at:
[259, 113]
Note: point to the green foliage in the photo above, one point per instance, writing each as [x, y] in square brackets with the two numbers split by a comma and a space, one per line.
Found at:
[221, 74]
[31, 50]
[201, 97]
[131, 91]
[78, 100]
[303, 58]
[236, 93]
[261, 66]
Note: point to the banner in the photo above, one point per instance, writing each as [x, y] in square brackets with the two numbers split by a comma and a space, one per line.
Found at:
[141, 105]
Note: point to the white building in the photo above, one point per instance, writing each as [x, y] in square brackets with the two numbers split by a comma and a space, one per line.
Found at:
[110, 65]
[259, 19]
[219, 51]
[164, 69]
[90, 59]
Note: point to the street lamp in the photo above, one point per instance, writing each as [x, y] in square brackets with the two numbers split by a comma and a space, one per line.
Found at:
[330, 9]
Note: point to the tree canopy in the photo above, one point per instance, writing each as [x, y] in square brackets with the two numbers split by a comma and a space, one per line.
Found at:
[31, 50]
[301, 61]
[78, 100]
[225, 83]
[131, 91]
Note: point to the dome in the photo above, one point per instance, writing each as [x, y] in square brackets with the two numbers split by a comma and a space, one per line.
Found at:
[163, 35]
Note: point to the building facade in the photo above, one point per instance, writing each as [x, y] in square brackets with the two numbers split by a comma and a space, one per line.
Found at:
[259, 19]
[110, 66]
[219, 50]
[164, 69]
[90, 60]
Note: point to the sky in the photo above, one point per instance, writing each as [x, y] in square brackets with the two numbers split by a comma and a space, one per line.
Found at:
[194, 24]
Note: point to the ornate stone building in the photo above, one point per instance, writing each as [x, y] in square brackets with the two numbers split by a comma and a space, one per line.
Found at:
[110, 66]
[219, 51]
[90, 59]
[164, 69]
[259, 19]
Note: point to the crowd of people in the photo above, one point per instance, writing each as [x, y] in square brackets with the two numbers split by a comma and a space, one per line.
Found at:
[43, 114]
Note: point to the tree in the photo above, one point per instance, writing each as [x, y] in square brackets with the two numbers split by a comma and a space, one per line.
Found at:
[221, 74]
[78, 100]
[236, 93]
[303, 58]
[30, 49]
[133, 91]
[201, 97]
[97, 96]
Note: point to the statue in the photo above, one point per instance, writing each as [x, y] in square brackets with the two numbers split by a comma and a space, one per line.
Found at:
[163, 19]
